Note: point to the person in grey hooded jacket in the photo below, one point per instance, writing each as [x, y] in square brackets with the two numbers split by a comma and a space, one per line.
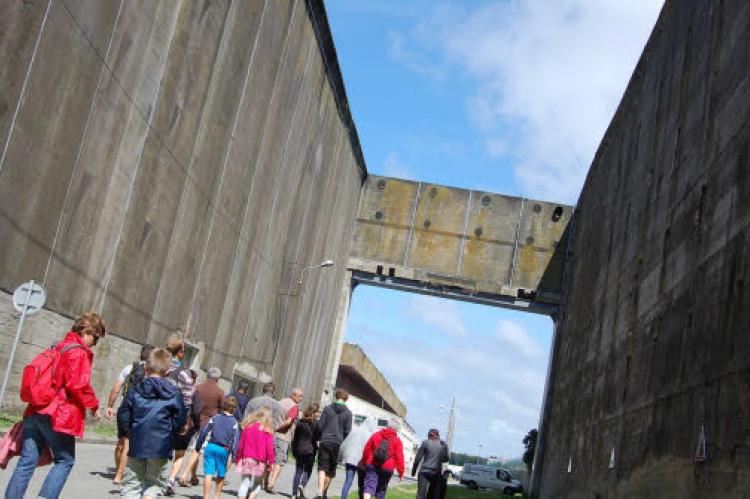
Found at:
[334, 426]
[350, 453]
[431, 454]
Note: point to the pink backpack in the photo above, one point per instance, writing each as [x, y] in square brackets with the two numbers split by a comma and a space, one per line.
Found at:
[12, 443]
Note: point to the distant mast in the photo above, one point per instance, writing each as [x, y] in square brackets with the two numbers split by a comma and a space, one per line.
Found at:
[451, 425]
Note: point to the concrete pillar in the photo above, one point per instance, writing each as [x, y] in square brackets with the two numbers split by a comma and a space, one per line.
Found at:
[337, 341]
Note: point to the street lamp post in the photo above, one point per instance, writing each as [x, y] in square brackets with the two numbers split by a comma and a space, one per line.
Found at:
[479, 457]
[327, 263]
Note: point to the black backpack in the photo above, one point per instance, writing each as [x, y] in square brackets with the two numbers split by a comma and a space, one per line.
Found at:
[137, 374]
[382, 452]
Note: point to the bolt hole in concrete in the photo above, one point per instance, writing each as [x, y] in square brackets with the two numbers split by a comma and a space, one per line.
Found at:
[381, 184]
[378, 215]
[427, 224]
[485, 200]
[537, 208]
[557, 214]
[478, 232]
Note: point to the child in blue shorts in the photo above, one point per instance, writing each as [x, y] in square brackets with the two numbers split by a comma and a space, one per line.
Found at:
[222, 433]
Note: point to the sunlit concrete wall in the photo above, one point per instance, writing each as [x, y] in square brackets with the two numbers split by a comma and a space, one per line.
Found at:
[174, 165]
[654, 340]
[480, 241]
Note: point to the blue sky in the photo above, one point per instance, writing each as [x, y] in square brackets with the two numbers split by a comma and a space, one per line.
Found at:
[507, 96]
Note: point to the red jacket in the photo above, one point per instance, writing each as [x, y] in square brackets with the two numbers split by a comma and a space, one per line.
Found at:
[395, 451]
[68, 410]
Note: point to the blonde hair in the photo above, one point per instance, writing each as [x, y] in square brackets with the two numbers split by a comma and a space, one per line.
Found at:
[262, 416]
[159, 361]
[175, 343]
[89, 322]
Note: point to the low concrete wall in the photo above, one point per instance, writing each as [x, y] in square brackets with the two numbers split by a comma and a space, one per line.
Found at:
[46, 328]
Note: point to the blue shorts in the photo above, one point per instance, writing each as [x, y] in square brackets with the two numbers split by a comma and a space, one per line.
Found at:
[215, 459]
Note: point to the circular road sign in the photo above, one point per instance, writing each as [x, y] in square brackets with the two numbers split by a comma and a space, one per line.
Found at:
[29, 296]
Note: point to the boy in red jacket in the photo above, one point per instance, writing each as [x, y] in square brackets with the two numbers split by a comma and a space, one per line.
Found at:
[383, 454]
[57, 424]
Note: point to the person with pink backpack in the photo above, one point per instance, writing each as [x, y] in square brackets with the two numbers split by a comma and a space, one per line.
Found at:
[57, 386]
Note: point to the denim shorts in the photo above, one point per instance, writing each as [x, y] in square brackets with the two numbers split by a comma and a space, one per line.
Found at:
[215, 459]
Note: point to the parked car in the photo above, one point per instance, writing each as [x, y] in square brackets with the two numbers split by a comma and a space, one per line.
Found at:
[476, 476]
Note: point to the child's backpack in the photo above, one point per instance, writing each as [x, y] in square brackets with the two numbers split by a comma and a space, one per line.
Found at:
[380, 456]
[41, 379]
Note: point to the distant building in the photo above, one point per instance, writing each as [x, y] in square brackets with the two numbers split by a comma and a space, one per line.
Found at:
[370, 394]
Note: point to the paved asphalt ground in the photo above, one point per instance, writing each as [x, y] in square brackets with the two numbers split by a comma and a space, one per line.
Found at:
[92, 474]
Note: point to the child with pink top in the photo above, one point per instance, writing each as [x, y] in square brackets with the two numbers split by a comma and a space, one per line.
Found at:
[254, 452]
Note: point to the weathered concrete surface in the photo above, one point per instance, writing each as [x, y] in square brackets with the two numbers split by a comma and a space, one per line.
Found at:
[478, 241]
[174, 165]
[364, 380]
[654, 338]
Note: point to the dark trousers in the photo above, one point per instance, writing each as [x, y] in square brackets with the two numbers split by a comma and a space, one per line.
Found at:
[376, 481]
[302, 471]
[429, 485]
[351, 472]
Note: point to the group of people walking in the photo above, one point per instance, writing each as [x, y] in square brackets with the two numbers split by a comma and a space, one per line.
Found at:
[165, 416]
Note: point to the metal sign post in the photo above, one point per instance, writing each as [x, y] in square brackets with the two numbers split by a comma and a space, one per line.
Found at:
[28, 298]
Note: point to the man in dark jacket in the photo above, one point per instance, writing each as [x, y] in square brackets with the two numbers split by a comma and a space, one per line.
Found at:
[334, 425]
[151, 413]
[240, 393]
[432, 454]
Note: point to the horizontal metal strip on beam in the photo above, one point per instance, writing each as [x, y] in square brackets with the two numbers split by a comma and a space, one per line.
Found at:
[454, 293]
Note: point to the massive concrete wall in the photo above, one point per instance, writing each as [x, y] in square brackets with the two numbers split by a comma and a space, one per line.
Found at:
[654, 340]
[174, 165]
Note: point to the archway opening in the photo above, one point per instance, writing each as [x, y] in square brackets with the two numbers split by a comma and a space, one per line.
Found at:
[431, 351]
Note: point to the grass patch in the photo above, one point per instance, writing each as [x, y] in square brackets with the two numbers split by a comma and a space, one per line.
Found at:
[7, 420]
[103, 430]
[409, 491]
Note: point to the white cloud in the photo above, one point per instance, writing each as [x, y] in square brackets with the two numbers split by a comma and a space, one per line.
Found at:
[516, 341]
[412, 59]
[443, 315]
[548, 75]
[393, 166]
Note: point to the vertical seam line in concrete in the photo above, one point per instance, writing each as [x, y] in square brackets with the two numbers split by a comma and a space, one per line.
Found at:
[293, 349]
[515, 243]
[77, 163]
[191, 161]
[241, 235]
[260, 253]
[215, 205]
[22, 94]
[299, 104]
[110, 266]
[463, 239]
[413, 218]
[306, 309]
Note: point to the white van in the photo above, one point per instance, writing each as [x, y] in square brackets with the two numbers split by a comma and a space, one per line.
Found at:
[477, 476]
